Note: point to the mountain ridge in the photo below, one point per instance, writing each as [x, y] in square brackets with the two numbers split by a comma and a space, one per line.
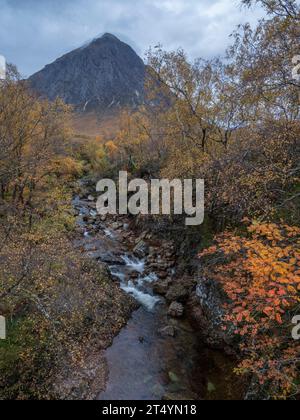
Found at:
[105, 74]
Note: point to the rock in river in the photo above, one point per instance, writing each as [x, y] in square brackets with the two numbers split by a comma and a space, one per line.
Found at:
[176, 310]
[168, 331]
[141, 249]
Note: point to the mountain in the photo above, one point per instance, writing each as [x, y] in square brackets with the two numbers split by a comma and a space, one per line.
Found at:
[104, 75]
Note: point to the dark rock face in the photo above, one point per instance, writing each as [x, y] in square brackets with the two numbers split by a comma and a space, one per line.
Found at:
[104, 75]
[206, 306]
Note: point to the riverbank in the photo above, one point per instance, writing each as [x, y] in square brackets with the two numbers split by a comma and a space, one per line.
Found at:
[159, 354]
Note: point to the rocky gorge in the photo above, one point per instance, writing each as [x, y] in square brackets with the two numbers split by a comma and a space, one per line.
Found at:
[172, 346]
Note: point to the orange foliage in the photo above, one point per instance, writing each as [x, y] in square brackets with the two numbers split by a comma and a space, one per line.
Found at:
[260, 274]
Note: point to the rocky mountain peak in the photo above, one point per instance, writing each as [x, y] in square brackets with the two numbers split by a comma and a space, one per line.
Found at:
[103, 75]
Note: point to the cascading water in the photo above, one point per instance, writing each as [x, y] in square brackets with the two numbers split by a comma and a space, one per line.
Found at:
[137, 289]
[143, 363]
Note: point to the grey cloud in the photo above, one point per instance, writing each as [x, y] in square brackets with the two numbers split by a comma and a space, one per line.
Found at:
[36, 32]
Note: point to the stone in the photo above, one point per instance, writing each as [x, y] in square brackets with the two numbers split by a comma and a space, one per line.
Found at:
[141, 249]
[161, 287]
[176, 310]
[134, 275]
[116, 225]
[91, 198]
[110, 258]
[168, 331]
[206, 309]
[142, 236]
[179, 291]
[162, 275]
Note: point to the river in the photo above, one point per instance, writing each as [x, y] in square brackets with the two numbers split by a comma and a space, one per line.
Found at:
[154, 357]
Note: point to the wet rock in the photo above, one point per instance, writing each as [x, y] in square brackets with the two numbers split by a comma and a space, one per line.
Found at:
[126, 235]
[176, 310]
[117, 225]
[168, 331]
[141, 249]
[206, 306]
[134, 275]
[179, 291]
[162, 275]
[152, 251]
[113, 259]
[141, 237]
[161, 287]
[107, 257]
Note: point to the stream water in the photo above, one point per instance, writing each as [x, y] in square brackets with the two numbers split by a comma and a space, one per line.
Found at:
[143, 363]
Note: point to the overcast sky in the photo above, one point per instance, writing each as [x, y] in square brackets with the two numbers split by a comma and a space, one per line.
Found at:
[34, 33]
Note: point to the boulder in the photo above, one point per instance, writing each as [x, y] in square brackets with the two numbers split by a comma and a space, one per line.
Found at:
[135, 275]
[161, 287]
[167, 331]
[141, 249]
[179, 291]
[206, 306]
[152, 251]
[162, 275]
[106, 257]
[117, 225]
[176, 310]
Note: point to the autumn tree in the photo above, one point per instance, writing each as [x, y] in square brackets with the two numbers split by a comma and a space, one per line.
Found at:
[261, 277]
